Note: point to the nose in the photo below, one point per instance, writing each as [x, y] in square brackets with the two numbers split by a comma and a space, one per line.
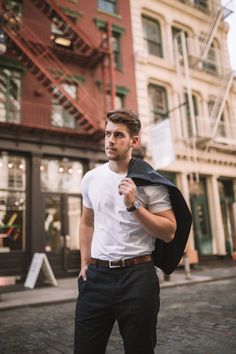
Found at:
[111, 139]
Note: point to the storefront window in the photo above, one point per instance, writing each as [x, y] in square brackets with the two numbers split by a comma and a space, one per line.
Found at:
[12, 202]
[60, 183]
[61, 176]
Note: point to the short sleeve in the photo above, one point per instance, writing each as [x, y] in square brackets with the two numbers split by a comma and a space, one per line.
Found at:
[158, 199]
[84, 191]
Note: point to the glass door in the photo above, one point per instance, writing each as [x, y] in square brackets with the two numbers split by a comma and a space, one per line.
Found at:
[62, 214]
[201, 224]
[53, 223]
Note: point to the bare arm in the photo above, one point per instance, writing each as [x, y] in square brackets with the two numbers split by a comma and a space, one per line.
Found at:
[85, 237]
[160, 225]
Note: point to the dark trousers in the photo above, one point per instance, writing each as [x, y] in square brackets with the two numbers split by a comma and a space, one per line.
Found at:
[129, 295]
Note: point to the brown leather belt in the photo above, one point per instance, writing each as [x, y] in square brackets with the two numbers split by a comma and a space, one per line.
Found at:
[122, 262]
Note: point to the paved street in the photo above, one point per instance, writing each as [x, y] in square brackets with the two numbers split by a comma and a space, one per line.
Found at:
[194, 319]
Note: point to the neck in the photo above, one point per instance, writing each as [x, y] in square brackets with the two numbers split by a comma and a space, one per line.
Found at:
[119, 166]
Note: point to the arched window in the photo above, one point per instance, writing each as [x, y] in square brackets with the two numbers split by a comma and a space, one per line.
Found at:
[158, 102]
[152, 36]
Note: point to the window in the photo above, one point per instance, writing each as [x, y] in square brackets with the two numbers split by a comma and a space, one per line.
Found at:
[116, 50]
[59, 38]
[158, 102]
[61, 176]
[12, 202]
[187, 110]
[10, 95]
[176, 34]
[60, 116]
[108, 6]
[119, 101]
[222, 124]
[201, 5]
[60, 184]
[14, 7]
[209, 63]
[152, 36]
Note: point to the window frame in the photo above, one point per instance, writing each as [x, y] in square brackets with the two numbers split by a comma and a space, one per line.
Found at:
[101, 5]
[150, 43]
[158, 115]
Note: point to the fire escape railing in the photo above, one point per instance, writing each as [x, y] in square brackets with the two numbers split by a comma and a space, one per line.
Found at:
[88, 48]
[38, 59]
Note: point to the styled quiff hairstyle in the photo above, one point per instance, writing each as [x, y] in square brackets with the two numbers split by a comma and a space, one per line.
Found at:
[126, 117]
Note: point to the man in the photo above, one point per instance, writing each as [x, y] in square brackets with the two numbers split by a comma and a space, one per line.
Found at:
[119, 225]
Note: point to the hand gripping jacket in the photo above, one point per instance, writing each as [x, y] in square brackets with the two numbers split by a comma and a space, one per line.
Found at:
[166, 255]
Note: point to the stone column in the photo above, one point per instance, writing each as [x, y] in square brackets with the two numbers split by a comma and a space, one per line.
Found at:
[183, 185]
[217, 227]
[36, 239]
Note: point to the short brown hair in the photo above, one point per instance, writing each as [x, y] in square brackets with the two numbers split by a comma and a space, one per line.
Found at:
[126, 117]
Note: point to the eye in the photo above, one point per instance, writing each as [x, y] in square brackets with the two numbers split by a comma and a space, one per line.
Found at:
[118, 135]
[107, 134]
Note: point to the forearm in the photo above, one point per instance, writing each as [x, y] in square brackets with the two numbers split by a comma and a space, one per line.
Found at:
[158, 226]
[86, 235]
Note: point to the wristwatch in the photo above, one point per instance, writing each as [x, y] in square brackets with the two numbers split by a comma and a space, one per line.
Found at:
[136, 205]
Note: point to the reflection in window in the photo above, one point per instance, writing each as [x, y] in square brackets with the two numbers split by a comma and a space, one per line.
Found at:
[12, 202]
[119, 101]
[52, 224]
[60, 116]
[74, 214]
[187, 111]
[152, 36]
[210, 63]
[116, 50]
[202, 5]
[10, 95]
[176, 33]
[108, 6]
[158, 102]
[61, 176]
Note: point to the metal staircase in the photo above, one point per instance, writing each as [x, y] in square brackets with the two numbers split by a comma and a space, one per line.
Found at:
[199, 52]
[193, 54]
[88, 50]
[39, 59]
[219, 105]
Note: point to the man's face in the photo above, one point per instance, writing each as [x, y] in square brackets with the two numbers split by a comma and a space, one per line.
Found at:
[118, 142]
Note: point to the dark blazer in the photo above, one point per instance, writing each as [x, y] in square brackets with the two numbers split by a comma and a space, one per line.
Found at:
[166, 255]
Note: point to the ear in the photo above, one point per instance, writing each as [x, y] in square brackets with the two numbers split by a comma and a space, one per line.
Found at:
[134, 141]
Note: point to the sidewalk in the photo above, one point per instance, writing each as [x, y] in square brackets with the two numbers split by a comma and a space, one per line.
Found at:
[67, 288]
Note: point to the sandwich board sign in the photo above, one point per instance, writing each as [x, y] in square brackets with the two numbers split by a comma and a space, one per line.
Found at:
[39, 261]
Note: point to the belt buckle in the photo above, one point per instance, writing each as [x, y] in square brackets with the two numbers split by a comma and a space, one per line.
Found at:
[114, 266]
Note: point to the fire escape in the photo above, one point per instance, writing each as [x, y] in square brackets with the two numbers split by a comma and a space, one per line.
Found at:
[191, 54]
[39, 59]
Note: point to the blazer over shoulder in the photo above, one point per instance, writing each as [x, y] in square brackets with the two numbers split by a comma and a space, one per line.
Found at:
[166, 255]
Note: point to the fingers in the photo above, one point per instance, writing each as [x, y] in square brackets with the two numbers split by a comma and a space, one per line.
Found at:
[127, 183]
[128, 189]
[83, 273]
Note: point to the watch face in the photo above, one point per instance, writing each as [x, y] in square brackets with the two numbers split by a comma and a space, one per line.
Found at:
[137, 204]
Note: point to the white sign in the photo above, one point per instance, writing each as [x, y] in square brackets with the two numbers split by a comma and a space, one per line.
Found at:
[39, 261]
[162, 144]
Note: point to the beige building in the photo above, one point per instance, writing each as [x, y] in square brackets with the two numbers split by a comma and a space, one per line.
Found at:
[183, 77]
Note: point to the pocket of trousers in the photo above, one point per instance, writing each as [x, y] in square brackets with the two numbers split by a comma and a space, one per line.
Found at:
[81, 284]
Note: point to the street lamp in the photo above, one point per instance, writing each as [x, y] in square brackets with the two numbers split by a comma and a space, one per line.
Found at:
[3, 46]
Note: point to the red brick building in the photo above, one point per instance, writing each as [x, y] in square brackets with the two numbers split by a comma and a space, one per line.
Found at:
[67, 62]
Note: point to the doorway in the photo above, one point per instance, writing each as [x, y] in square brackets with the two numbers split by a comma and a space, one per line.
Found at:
[62, 214]
[201, 219]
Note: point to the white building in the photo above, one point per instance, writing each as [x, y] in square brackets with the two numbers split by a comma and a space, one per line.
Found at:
[183, 73]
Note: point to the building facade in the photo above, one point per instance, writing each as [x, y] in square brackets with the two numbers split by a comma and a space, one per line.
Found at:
[183, 75]
[66, 63]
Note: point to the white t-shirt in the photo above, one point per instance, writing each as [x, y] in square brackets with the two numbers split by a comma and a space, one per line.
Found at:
[117, 234]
